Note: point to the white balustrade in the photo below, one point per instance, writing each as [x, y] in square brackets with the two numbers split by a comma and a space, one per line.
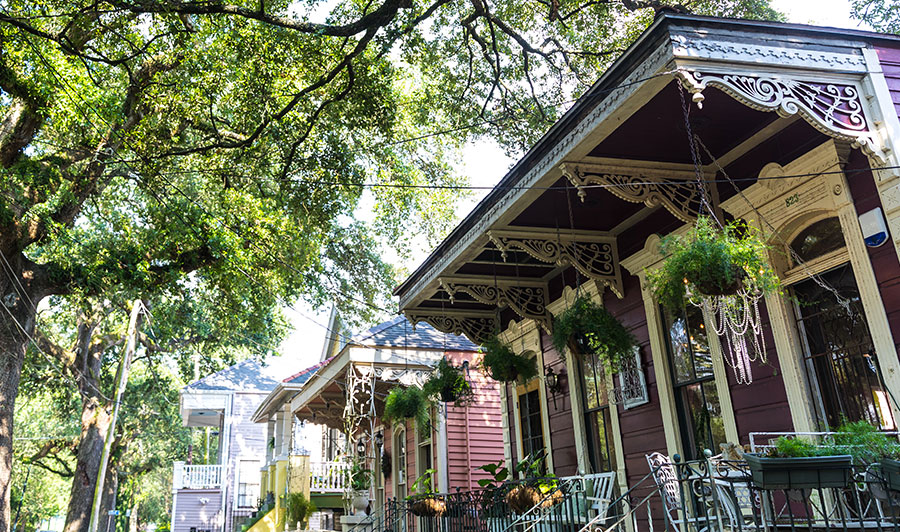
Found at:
[197, 476]
[325, 477]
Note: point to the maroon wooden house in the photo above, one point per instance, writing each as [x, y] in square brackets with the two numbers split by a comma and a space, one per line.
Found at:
[797, 133]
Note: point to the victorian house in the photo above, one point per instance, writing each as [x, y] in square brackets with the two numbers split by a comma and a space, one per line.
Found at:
[793, 129]
[345, 394]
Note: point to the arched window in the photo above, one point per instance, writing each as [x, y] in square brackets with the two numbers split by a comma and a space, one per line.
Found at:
[817, 239]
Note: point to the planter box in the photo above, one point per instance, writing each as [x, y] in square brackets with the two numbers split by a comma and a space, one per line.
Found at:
[800, 473]
[890, 471]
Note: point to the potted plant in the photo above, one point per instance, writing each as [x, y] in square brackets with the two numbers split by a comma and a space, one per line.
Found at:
[536, 489]
[359, 480]
[502, 364]
[795, 463]
[448, 383]
[298, 509]
[408, 402]
[427, 503]
[867, 445]
[712, 261]
[588, 328]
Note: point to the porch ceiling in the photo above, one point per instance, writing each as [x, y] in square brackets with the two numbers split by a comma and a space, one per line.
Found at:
[593, 210]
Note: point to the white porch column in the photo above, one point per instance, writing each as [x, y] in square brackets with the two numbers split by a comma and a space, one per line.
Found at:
[442, 449]
[284, 422]
[270, 433]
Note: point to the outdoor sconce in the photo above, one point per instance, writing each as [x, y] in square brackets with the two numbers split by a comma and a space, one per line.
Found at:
[554, 383]
[360, 448]
[379, 439]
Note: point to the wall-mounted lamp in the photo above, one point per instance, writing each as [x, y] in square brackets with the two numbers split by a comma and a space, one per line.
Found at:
[554, 382]
[360, 448]
[379, 439]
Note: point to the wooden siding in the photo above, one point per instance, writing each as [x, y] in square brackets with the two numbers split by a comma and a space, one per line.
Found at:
[474, 431]
[890, 65]
[197, 509]
[642, 426]
[761, 406]
[559, 413]
[247, 441]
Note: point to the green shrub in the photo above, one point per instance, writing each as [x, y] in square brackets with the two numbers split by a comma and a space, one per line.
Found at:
[448, 383]
[600, 332]
[502, 364]
[711, 261]
[298, 509]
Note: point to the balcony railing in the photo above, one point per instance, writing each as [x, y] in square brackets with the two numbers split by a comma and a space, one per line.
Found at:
[196, 476]
[327, 477]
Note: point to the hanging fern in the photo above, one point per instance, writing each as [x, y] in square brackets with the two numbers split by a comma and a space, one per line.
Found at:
[590, 328]
[448, 383]
[409, 402]
[502, 364]
[708, 261]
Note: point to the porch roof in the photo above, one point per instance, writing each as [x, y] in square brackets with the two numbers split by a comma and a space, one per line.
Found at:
[618, 167]
[324, 397]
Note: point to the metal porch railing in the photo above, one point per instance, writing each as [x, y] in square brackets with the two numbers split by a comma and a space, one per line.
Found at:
[705, 496]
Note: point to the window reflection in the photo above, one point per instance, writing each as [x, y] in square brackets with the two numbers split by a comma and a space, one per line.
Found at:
[696, 396]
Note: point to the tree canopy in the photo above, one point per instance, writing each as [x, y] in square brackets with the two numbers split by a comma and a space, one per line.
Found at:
[222, 153]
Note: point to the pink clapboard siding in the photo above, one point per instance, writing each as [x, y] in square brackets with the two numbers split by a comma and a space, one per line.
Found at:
[475, 430]
[197, 509]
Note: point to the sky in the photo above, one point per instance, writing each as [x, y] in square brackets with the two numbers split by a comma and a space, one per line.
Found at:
[486, 164]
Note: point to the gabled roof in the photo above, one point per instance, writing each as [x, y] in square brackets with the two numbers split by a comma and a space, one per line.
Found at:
[399, 332]
[304, 375]
[246, 376]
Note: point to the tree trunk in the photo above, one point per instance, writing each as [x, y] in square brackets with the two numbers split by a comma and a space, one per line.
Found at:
[95, 420]
[17, 316]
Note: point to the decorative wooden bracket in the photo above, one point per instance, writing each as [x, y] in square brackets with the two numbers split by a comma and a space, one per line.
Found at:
[528, 299]
[675, 190]
[477, 326]
[591, 253]
[835, 109]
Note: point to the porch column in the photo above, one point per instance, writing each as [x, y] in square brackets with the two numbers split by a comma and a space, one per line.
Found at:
[285, 419]
[442, 449]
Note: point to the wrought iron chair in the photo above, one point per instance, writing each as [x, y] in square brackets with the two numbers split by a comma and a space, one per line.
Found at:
[685, 514]
[598, 494]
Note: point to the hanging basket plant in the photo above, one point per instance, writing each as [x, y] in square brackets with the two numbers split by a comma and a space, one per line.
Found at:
[503, 364]
[709, 262]
[448, 383]
[588, 328]
[410, 402]
[726, 272]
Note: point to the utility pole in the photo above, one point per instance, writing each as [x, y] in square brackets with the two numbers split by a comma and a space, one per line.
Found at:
[122, 380]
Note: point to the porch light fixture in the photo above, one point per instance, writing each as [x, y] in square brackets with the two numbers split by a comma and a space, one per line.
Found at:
[554, 382]
[360, 447]
[379, 439]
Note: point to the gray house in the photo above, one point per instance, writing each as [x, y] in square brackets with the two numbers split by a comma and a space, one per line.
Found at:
[217, 487]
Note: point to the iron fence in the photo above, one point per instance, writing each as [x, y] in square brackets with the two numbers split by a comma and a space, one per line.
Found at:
[720, 495]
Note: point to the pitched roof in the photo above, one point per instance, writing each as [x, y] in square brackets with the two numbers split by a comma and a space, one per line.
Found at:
[399, 332]
[246, 376]
[306, 374]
